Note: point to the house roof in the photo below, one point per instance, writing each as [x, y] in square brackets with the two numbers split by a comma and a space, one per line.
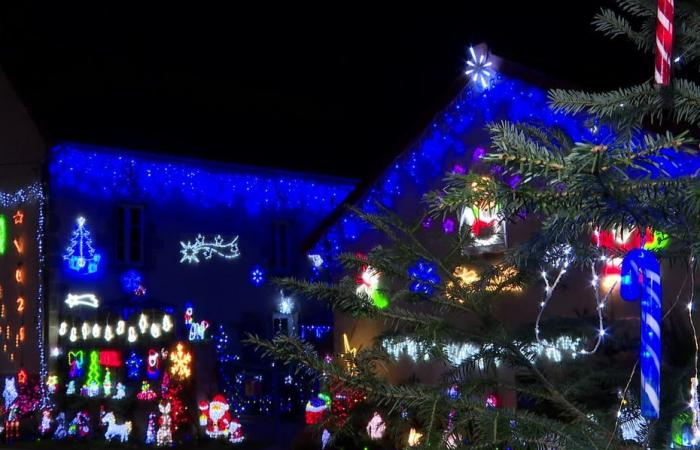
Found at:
[111, 172]
[453, 133]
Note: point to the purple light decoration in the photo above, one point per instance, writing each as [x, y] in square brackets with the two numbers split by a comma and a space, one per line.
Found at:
[458, 169]
[427, 222]
[448, 225]
[479, 153]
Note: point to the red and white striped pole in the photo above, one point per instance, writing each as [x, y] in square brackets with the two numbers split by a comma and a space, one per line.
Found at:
[664, 42]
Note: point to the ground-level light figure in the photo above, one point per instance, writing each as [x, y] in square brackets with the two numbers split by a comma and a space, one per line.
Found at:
[164, 436]
[116, 430]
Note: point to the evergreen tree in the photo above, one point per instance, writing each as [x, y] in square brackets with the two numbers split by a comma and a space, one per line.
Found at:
[632, 176]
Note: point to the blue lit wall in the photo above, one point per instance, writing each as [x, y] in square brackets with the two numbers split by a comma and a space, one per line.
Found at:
[182, 198]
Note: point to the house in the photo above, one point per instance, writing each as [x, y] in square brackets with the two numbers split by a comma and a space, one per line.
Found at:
[455, 141]
[111, 257]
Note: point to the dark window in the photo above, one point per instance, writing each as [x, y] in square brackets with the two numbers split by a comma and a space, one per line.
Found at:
[281, 256]
[130, 234]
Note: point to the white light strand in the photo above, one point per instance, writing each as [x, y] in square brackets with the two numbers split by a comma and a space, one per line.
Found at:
[694, 404]
[217, 246]
[600, 306]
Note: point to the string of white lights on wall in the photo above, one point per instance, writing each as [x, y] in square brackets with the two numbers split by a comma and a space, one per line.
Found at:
[34, 193]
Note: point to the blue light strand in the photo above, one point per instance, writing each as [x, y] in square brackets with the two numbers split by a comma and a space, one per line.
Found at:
[109, 173]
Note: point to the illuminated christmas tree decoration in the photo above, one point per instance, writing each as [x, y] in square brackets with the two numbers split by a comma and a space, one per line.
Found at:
[20, 304]
[80, 254]
[107, 383]
[120, 431]
[257, 276]
[190, 251]
[121, 327]
[3, 234]
[376, 427]
[479, 69]
[153, 364]
[143, 324]
[146, 393]
[18, 245]
[89, 300]
[414, 438]
[180, 361]
[167, 323]
[96, 331]
[131, 335]
[93, 376]
[133, 366]
[109, 334]
[18, 218]
[121, 392]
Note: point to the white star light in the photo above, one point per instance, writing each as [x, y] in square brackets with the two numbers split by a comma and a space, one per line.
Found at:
[190, 250]
[479, 69]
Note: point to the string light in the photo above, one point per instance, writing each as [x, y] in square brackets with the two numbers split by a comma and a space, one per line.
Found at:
[80, 254]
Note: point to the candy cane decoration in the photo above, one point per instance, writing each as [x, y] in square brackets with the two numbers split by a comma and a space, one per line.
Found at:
[641, 279]
[664, 42]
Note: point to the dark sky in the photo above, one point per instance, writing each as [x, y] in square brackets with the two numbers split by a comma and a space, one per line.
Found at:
[338, 90]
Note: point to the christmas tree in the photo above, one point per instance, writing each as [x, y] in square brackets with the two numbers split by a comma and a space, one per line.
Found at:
[80, 254]
[618, 206]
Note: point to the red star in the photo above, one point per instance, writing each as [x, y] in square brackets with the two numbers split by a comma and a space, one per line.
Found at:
[18, 217]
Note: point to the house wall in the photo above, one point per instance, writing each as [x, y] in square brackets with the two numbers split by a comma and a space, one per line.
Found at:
[181, 199]
[21, 157]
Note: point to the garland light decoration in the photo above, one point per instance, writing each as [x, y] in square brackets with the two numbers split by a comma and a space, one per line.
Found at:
[190, 251]
[80, 254]
[164, 436]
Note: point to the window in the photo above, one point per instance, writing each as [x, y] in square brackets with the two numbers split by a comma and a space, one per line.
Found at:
[130, 234]
[281, 248]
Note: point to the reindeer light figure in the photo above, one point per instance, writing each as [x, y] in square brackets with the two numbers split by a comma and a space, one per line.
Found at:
[116, 430]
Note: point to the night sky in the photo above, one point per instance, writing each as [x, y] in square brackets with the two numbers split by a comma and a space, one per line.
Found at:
[337, 90]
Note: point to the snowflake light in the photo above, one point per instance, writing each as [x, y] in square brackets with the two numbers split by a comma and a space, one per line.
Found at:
[286, 304]
[257, 276]
[190, 251]
[479, 69]
[424, 276]
[180, 361]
